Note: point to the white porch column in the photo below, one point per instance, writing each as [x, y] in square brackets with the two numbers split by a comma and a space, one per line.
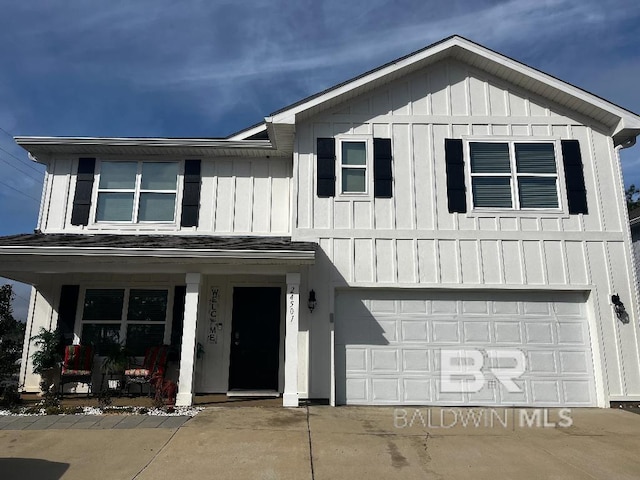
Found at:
[290, 395]
[188, 350]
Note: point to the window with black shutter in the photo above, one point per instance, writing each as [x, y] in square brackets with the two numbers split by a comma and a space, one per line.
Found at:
[507, 174]
[352, 155]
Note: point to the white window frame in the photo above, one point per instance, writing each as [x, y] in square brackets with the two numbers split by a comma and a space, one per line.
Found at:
[137, 190]
[367, 167]
[124, 323]
[513, 175]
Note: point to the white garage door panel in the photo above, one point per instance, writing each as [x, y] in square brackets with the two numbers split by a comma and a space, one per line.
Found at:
[388, 346]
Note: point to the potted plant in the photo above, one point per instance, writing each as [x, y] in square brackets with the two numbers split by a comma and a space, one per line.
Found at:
[47, 359]
[115, 362]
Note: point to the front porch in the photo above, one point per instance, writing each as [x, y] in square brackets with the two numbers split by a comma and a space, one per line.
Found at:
[227, 307]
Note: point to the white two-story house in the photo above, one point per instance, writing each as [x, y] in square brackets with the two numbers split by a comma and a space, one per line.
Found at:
[454, 209]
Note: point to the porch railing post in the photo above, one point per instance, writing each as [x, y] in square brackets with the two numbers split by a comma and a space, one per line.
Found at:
[188, 349]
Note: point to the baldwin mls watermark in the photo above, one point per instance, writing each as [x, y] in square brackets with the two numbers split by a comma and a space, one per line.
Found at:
[506, 418]
[469, 370]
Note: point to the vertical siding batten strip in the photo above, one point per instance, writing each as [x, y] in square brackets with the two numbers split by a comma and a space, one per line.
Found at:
[596, 179]
[616, 331]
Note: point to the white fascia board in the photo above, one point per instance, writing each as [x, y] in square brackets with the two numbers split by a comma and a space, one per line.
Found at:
[301, 255]
[163, 253]
[28, 141]
[628, 120]
[248, 132]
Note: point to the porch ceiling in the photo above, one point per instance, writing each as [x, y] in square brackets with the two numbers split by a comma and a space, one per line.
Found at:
[26, 257]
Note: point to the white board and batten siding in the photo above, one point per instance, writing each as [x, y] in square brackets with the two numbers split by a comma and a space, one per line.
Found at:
[239, 196]
[412, 241]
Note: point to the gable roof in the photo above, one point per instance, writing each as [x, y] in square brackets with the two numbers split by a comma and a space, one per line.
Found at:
[624, 124]
[275, 136]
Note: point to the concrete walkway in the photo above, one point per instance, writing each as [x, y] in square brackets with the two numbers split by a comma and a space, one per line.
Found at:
[331, 443]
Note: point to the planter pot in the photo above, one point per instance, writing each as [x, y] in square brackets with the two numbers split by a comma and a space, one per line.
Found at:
[48, 378]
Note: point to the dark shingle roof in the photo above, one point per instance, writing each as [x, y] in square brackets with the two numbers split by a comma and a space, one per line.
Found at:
[159, 242]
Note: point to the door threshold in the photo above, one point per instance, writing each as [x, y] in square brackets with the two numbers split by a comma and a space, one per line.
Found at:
[253, 393]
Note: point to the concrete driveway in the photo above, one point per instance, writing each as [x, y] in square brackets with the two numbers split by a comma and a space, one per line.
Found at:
[333, 443]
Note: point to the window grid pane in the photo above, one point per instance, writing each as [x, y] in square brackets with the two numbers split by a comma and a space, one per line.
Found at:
[103, 304]
[118, 175]
[490, 157]
[157, 207]
[159, 175]
[142, 336]
[114, 207]
[147, 305]
[492, 192]
[535, 158]
[353, 180]
[354, 153]
[538, 192]
[100, 335]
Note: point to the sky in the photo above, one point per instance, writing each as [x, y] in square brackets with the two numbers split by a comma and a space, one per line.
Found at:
[202, 68]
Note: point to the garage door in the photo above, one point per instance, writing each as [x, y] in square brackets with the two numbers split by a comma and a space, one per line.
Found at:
[390, 344]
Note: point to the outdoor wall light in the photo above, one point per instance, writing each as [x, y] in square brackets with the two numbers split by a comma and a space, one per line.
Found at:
[311, 303]
[618, 306]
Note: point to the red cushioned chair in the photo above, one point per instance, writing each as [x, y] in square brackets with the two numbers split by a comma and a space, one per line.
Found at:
[154, 364]
[77, 366]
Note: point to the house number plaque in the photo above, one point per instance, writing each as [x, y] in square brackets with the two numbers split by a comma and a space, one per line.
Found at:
[293, 291]
[212, 336]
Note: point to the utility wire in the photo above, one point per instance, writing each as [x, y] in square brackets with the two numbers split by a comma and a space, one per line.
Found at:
[7, 133]
[19, 159]
[30, 175]
[19, 191]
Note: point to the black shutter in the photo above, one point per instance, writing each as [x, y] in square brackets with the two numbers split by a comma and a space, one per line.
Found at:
[574, 177]
[67, 312]
[456, 190]
[191, 194]
[382, 168]
[177, 323]
[84, 189]
[326, 170]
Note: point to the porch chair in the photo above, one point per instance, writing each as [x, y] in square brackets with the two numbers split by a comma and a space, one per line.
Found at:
[153, 365]
[77, 366]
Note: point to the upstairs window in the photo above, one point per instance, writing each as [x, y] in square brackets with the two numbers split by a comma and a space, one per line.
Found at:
[514, 175]
[136, 192]
[353, 162]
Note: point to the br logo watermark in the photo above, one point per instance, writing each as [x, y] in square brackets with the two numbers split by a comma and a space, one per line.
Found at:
[463, 370]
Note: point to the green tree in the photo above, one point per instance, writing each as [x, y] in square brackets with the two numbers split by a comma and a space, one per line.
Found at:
[632, 195]
[11, 335]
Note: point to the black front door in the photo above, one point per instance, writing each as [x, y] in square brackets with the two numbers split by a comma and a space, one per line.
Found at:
[255, 338]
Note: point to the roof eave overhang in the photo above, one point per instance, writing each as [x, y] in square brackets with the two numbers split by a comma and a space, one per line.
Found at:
[37, 145]
[297, 256]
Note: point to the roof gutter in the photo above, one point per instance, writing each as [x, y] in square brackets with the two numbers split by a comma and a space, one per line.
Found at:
[299, 255]
[25, 141]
